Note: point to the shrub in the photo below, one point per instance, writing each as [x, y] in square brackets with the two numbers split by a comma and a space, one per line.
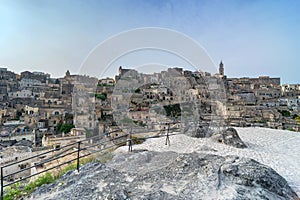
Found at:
[137, 90]
[285, 113]
[18, 190]
[137, 140]
[66, 128]
[173, 110]
[295, 116]
[127, 120]
[297, 119]
[102, 96]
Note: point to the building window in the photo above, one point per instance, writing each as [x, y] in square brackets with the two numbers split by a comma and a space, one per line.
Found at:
[22, 166]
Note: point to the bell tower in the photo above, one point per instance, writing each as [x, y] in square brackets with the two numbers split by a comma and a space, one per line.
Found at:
[221, 68]
[68, 73]
[120, 71]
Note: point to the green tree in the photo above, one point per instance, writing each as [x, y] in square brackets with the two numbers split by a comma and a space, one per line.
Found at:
[58, 127]
[285, 113]
[127, 120]
[295, 116]
[66, 128]
[138, 90]
[173, 110]
[102, 96]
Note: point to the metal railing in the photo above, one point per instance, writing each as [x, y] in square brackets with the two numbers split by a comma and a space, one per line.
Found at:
[69, 150]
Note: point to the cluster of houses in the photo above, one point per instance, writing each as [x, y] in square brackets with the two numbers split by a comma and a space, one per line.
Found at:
[35, 101]
[142, 99]
[34, 106]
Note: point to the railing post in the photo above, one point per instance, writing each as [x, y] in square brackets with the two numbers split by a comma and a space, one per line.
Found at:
[2, 193]
[78, 155]
[130, 141]
[167, 138]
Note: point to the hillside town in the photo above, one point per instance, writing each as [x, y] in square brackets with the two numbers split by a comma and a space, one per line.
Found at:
[39, 113]
[34, 103]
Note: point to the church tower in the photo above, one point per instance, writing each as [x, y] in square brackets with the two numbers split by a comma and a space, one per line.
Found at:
[120, 71]
[221, 68]
[68, 73]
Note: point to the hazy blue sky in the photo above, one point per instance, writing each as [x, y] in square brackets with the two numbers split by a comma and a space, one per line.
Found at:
[251, 37]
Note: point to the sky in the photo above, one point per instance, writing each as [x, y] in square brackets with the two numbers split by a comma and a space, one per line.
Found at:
[252, 37]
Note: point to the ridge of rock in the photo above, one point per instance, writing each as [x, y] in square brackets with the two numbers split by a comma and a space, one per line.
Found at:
[169, 175]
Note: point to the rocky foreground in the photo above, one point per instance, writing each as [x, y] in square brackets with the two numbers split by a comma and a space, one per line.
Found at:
[170, 175]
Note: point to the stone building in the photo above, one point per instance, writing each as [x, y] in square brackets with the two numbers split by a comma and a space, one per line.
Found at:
[290, 90]
[7, 75]
[106, 82]
[3, 91]
[129, 73]
[41, 76]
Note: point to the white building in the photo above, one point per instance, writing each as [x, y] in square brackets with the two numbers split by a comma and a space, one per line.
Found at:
[31, 110]
[29, 83]
[291, 103]
[24, 93]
